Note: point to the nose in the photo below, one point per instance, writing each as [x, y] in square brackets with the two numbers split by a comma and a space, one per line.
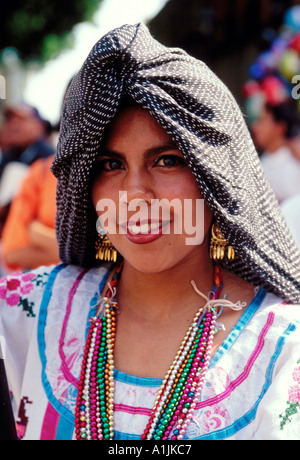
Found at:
[138, 185]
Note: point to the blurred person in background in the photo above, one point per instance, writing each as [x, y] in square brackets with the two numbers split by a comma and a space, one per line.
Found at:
[24, 138]
[28, 238]
[291, 211]
[275, 133]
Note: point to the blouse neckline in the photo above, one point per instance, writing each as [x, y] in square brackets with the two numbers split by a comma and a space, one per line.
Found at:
[223, 348]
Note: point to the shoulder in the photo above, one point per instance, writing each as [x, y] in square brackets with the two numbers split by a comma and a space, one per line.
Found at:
[278, 315]
[25, 291]
[72, 286]
[79, 277]
[277, 325]
[274, 329]
[278, 307]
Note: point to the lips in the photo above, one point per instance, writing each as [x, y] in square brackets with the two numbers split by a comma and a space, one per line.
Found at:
[144, 228]
[143, 232]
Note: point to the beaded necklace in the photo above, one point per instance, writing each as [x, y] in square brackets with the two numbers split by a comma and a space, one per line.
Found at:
[179, 393]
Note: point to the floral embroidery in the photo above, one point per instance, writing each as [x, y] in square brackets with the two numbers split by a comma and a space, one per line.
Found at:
[215, 418]
[294, 398]
[14, 288]
[13, 284]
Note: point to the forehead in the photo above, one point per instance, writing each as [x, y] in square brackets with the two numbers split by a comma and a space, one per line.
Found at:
[134, 125]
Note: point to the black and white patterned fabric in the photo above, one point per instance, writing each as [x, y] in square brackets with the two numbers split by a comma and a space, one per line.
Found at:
[204, 120]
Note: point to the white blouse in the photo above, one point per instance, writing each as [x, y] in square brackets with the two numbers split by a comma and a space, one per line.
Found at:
[252, 389]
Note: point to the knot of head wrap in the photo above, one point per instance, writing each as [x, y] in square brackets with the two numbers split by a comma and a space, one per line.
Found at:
[200, 114]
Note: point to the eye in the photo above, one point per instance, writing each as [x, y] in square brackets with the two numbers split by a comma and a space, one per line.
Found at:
[108, 164]
[169, 161]
[112, 165]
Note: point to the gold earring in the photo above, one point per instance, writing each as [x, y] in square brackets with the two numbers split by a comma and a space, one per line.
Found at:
[105, 251]
[218, 245]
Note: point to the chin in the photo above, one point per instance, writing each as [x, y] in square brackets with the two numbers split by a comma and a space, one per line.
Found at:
[155, 263]
[149, 267]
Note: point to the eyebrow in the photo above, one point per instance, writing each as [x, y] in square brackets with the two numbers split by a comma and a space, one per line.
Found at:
[152, 151]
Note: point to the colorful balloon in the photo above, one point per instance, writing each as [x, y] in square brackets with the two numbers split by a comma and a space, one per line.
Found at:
[289, 64]
[292, 18]
[251, 88]
[279, 46]
[295, 43]
[268, 60]
[257, 71]
[275, 92]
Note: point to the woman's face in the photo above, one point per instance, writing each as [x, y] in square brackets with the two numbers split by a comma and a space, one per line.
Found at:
[146, 196]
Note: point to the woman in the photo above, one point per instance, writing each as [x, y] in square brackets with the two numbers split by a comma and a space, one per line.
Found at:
[129, 349]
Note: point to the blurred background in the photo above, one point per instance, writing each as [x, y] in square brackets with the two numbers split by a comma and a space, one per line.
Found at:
[44, 42]
[252, 45]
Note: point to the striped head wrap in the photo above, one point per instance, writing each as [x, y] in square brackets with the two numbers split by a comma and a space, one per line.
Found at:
[203, 119]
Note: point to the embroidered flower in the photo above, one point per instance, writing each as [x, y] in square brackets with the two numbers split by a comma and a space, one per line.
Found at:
[296, 374]
[13, 300]
[294, 391]
[293, 403]
[15, 287]
[294, 394]
[26, 288]
[13, 284]
[2, 292]
[9, 284]
[215, 418]
[28, 276]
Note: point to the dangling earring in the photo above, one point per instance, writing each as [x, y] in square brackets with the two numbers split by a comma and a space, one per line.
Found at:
[218, 245]
[105, 251]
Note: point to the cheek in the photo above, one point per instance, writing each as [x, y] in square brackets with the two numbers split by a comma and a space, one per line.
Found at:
[105, 207]
[202, 215]
[192, 214]
[101, 191]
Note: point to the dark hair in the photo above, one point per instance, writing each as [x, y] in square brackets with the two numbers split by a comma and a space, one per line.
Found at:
[286, 112]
